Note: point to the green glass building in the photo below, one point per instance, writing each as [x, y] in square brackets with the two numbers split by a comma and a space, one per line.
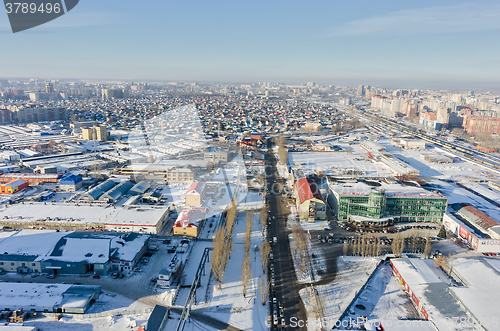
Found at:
[385, 204]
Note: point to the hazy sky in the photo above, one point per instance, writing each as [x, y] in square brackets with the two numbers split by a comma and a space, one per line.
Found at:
[448, 44]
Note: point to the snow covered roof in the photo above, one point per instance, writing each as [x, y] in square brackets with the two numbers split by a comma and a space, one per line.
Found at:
[86, 213]
[16, 183]
[45, 296]
[190, 218]
[31, 242]
[391, 190]
[92, 250]
[483, 287]
[196, 188]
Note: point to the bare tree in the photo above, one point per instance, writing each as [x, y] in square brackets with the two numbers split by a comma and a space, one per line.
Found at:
[265, 249]
[428, 246]
[379, 248]
[264, 290]
[345, 249]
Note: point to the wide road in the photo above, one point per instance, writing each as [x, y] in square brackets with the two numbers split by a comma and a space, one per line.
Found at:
[287, 288]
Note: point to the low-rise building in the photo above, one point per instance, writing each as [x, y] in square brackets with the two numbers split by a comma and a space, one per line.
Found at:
[309, 200]
[379, 203]
[51, 298]
[70, 183]
[189, 222]
[84, 217]
[14, 186]
[412, 144]
[195, 194]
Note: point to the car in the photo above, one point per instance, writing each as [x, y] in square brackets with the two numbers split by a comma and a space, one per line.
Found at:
[275, 300]
[33, 275]
[114, 275]
[283, 321]
[77, 283]
[137, 269]
[96, 276]
[271, 255]
[51, 276]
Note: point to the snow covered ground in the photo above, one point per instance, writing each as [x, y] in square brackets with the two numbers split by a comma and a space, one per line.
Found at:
[382, 299]
[459, 170]
[352, 274]
[317, 265]
[228, 304]
[108, 303]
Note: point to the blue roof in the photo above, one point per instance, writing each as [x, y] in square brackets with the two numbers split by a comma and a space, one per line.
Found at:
[70, 180]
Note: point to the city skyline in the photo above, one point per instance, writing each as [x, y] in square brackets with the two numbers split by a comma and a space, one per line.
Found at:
[424, 45]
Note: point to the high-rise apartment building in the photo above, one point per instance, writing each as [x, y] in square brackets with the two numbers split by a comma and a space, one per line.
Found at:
[99, 133]
[49, 88]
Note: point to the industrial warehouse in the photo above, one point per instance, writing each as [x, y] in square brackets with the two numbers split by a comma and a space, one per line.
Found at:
[65, 216]
[442, 293]
[476, 229]
[381, 203]
[52, 298]
[53, 252]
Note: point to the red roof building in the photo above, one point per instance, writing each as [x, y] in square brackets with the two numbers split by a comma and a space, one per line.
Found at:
[309, 200]
[189, 221]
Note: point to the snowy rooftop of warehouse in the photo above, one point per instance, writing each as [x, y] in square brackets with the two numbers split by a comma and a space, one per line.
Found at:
[83, 213]
[483, 287]
[39, 296]
[416, 271]
[93, 247]
[337, 163]
[391, 190]
[31, 242]
[92, 250]
[429, 284]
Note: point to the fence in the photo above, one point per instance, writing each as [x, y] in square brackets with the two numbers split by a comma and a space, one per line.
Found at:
[115, 312]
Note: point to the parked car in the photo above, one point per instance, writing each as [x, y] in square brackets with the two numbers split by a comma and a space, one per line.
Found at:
[51, 276]
[137, 269]
[96, 276]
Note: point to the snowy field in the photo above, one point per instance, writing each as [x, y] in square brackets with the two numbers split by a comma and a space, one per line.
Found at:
[252, 200]
[458, 194]
[352, 274]
[460, 170]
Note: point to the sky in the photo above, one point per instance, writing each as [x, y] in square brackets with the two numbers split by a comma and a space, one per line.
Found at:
[396, 44]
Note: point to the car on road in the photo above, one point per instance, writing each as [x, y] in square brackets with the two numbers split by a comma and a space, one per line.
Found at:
[283, 321]
[77, 283]
[51, 276]
[33, 275]
[96, 276]
[137, 269]
[271, 256]
[114, 275]
[275, 300]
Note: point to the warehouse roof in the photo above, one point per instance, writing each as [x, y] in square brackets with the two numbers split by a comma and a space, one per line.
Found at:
[15, 183]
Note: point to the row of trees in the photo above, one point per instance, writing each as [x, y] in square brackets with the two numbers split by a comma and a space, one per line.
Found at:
[302, 247]
[364, 247]
[223, 244]
[361, 246]
[247, 271]
[282, 150]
